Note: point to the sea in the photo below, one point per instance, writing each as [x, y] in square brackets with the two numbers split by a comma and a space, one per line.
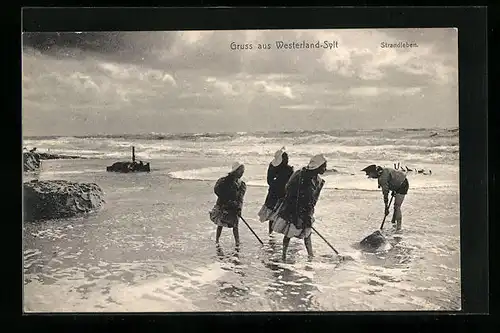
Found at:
[151, 248]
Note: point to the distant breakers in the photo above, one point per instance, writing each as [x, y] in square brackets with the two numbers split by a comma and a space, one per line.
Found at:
[398, 45]
[281, 45]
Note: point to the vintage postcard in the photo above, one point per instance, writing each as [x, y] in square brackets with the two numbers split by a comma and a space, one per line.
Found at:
[245, 170]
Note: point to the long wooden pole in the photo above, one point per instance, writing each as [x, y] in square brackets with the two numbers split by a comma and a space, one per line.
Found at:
[253, 232]
[385, 216]
[328, 243]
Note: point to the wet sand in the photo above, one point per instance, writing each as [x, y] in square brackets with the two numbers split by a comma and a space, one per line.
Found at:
[152, 249]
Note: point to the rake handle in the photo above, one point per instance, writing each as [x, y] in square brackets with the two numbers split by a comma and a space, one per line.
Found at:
[385, 216]
[251, 230]
[323, 238]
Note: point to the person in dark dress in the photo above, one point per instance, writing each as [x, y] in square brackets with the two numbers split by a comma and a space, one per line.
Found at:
[278, 174]
[230, 191]
[295, 215]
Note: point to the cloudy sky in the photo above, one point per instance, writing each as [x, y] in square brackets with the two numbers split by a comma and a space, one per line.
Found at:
[171, 82]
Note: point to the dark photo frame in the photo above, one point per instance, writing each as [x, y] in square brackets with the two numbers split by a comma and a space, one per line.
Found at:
[473, 125]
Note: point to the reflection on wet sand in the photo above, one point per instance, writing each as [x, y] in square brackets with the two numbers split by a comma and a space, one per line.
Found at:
[290, 290]
[398, 256]
[232, 258]
[272, 246]
[231, 262]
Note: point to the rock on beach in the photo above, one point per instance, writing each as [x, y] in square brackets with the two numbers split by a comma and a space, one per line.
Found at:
[47, 156]
[373, 242]
[126, 167]
[31, 161]
[54, 199]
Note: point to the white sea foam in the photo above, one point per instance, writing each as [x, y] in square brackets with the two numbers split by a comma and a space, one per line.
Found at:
[398, 146]
[255, 176]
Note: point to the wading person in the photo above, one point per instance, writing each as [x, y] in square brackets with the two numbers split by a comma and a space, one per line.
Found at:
[230, 191]
[278, 174]
[394, 181]
[294, 217]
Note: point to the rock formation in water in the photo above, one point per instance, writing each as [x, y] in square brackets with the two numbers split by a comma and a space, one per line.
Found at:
[133, 166]
[55, 199]
[31, 161]
[48, 156]
[126, 167]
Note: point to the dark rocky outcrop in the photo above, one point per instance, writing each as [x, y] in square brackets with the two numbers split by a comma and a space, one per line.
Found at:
[126, 167]
[47, 156]
[31, 161]
[55, 199]
[373, 242]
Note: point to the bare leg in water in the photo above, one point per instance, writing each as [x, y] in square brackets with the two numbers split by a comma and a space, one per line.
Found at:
[217, 234]
[236, 236]
[309, 248]
[270, 227]
[286, 241]
[398, 201]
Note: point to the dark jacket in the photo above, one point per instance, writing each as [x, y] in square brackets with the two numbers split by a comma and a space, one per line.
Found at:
[230, 192]
[302, 194]
[277, 177]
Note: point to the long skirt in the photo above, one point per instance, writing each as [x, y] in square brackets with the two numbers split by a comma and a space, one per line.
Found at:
[223, 217]
[265, 213]
[287, 228]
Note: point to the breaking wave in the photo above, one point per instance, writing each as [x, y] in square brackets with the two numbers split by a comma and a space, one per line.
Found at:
[344, 179]
[410, 145]
[417, 132]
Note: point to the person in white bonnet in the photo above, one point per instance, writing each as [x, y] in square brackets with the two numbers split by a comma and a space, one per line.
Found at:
[230, 191]
[278, 174]
[295, 215]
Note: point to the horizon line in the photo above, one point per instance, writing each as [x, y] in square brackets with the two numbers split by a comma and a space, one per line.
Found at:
[238, 132]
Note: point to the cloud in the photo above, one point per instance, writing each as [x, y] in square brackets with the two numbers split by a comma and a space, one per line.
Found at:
[146, 80]
[376, 91]
[273, 88]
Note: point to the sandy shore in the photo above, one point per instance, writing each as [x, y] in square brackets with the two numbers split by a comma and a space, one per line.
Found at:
[155, 230]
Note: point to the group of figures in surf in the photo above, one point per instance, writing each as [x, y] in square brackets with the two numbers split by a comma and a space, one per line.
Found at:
[292, 196]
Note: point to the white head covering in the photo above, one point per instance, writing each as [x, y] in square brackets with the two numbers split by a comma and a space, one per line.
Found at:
[316, 161]
[235, 166]
[278, 157]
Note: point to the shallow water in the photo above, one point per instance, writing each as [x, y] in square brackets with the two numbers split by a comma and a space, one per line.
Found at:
[152, 249]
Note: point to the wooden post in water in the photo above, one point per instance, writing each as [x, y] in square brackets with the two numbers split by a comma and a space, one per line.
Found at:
[133, 154]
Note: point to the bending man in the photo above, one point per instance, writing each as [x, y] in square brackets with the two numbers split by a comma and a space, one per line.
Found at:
[390, 180]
